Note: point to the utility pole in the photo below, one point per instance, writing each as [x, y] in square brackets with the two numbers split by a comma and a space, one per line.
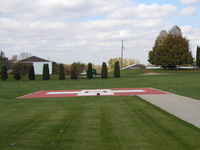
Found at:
[122, 50]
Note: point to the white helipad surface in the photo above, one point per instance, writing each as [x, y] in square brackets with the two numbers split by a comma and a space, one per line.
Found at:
[94, 92]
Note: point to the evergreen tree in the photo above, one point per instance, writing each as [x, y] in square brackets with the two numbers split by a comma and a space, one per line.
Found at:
[4, 74]
[198, 57]
[104, 71]
[31, 73]
[73, 71]
[117, 70]
[55, 68]
[89, 71]
[47, 68]
[46, 75]
[44, 72]
[61, 72]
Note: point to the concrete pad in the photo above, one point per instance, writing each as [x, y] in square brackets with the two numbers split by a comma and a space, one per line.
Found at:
[185, 108]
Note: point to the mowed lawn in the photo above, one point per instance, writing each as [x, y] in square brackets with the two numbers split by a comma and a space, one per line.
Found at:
[84, 123]
[88, 123]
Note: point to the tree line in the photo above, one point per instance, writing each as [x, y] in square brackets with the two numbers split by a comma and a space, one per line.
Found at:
[20, 70]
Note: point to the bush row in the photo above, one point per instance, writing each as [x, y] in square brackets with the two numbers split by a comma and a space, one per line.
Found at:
[20, 70]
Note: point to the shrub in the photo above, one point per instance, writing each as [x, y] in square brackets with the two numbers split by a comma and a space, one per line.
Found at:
[104, 71]
[55, 68]
[117, 70]
[61, 72]
[4, 74]
[20, 69]
[31, 73]
[89, 71]
[17, 77]
[76, 69]
[73, 71]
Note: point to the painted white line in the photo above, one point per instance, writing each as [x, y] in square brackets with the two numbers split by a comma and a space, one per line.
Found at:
[63, 92]
[127, 91]
[94, 92]
[99, 90]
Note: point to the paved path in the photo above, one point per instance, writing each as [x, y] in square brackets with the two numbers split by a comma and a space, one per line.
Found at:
[187, 109]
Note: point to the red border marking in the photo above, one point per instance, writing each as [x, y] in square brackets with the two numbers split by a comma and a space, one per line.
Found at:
[43, 94]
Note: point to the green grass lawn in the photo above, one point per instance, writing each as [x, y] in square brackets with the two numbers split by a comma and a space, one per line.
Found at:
[84, 123]
[90, 123]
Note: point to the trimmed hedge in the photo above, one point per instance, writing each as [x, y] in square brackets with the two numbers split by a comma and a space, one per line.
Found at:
[31, 73]
[46, 75]
[61, 72]
[4, 74]
[104, 71]
[117, 70]
[89, 71]
[73, 72]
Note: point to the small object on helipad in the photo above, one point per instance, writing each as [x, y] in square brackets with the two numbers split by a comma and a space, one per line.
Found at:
[61, 131]
[98, 93]
[12, 144]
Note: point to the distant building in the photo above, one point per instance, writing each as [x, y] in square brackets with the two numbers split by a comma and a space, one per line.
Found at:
[135, 66]
[153, 67]
[38, 64]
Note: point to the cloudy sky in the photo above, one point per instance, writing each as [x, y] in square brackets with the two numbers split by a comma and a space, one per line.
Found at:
[91, 30]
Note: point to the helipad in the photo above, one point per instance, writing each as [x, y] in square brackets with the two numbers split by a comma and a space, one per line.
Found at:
[94, 92]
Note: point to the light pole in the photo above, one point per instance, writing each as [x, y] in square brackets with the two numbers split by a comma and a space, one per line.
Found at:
[122, 50]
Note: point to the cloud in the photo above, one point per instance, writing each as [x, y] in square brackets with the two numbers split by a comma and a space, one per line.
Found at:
[59, 9]
[144, 11]
[84, 30]
[189, 11]
[193, 34]
[189, 2]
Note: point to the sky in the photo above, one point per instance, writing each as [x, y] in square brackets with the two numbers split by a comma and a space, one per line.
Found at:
[68, 31]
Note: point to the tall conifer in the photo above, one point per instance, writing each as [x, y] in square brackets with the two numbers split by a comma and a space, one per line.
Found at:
[89, 71]
[4, 74]
[104, 71]
[198, 57]
[117, 70]
[31, 73]
[61, 72]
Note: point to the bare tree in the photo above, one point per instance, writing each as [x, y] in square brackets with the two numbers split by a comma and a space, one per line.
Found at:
[14, 58]
[24, 55]
[175, 31]
[126, 62]
[77, 68]
[160, 38]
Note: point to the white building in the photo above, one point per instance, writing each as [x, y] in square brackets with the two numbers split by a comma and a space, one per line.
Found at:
[38, 64]
[135, 66]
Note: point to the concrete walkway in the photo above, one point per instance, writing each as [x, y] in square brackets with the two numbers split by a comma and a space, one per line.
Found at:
[187, 109]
